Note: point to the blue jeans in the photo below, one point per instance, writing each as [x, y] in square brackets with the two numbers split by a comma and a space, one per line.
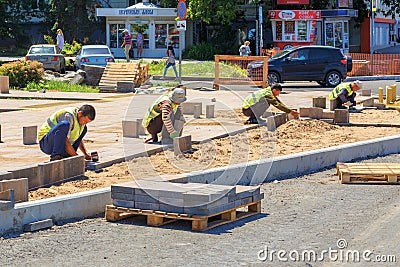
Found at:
[173, 66]
[53, 143]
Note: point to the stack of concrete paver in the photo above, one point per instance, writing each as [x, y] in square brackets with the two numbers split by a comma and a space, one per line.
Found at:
[187, 198]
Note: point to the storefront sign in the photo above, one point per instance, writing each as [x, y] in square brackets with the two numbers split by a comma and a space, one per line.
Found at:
[136, 12]
[292, 2]
[295, 14]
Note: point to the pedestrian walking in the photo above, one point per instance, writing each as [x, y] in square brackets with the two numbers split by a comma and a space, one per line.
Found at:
[60, 39]
[170, 61]
[127, 44]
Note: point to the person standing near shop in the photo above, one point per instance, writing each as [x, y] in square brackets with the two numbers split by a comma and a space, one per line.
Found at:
[127, 44]
[139, 44]
[60, 39]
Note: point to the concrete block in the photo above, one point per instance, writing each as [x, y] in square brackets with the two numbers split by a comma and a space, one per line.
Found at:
[7, 195]
[341, 116]
[4, 84]
[197, 111]
[147, 206]
[20, 187]
[319, 102]
[246, 191]
[51, 172]
[182, 144]
[74, 166]
[140, 129]
[122, 196]
[328, 115]
[366, 92]
[258, 197]
[380, 105]
[29, 135]
[0, 134]
[332, 104]
[188, 107]
[123, 203]
[268, 114]
[130, 128]
[125, 87]
[314, 113]
[171, 208]
[368, 102]
[32, 173]
[271, 123]
[6, 205]
[6, 176]
[280, 119]
[146, 198]
[210, 109]
[126, 188]
[171, 201]
[39, 225]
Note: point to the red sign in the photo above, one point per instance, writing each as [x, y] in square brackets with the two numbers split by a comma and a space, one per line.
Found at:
[294, 14]
[292, 2]
[182, 9]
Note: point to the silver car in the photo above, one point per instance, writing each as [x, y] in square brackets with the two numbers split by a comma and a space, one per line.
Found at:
[97, 55]
[49, 55]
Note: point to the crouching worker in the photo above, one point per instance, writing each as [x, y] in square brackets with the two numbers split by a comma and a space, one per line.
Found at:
[62, 134]
[344, 95]
[258, 102]
[165, 116]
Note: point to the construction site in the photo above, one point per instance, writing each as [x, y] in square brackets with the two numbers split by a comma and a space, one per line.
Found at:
[225, 193]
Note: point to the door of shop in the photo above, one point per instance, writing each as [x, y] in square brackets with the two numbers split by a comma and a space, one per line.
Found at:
[337, 34]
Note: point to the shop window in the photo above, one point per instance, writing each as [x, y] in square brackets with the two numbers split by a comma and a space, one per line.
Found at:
[142, 28]
[279, 30]
[166, 34]
[116, 35]
[302, 30]
[289, 31]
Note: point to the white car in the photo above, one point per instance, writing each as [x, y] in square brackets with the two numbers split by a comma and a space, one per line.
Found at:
[49, 55]
[97, 55]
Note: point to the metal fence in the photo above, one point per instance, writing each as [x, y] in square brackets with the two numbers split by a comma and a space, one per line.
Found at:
[375, 64]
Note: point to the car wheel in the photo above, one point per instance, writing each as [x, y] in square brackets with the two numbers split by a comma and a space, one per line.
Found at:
[273, 77]
[62, 70]
[322, 83]
[333, 78]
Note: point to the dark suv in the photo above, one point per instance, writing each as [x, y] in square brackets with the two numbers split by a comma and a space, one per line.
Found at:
[324, 64]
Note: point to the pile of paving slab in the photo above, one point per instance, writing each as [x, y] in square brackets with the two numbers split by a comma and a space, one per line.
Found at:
[185, 198]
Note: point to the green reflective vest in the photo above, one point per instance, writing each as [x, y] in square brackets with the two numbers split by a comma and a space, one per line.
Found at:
[52, 121]
[154, 110]
[335, 92]
[255, 97]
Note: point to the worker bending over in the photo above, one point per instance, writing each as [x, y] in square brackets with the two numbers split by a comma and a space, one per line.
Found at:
[165, 116]
[63, 132]
[255, 104]
[344, 95]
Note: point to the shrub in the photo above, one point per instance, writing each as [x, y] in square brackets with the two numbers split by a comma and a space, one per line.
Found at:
[70, 49]
[21, 73]
[201, 51]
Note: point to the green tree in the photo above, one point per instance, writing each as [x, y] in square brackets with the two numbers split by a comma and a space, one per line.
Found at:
[394, 7]
[212, 11]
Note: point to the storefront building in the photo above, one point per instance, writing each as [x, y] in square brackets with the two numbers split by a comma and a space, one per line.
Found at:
[158, 26]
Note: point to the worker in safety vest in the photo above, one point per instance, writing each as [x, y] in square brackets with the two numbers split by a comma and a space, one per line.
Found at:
[255, 104]
[165, 116]
[62, 133]
[344, 95]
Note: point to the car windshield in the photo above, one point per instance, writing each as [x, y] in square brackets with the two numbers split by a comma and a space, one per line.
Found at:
[41, 50]
[283, 53]
[96, 51]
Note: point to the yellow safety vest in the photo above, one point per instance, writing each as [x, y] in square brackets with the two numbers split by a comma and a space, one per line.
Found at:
[52, 121]
[255, 97]
[154, 110]
[335, 92]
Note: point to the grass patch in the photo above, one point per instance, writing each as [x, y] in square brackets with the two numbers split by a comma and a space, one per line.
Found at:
[61, 87]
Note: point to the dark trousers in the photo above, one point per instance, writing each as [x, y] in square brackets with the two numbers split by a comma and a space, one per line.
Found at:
[338, 103]
[256, 110]
[156, 125]
[53, 143]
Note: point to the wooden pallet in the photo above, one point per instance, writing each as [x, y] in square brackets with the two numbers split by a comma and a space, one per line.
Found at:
[117, 72]
[377, 173]
[199, 223]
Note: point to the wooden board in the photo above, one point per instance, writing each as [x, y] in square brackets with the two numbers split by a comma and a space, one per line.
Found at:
[117, 72]
[199, 223]
[377, 173]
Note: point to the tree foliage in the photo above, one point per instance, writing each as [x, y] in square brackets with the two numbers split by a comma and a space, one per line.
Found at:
[394, 7]
[212, 11]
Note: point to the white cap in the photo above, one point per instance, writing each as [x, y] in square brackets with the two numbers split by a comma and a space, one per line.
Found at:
[359, 84]
[125, 30]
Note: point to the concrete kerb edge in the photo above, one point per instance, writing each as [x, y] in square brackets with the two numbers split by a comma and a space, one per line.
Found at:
[90, 203]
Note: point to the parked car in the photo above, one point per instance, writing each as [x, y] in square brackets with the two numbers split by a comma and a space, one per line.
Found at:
[98, 55]
[49, 55]
[326, 65]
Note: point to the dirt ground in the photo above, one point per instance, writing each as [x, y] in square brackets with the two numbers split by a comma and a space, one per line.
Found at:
[292, 137]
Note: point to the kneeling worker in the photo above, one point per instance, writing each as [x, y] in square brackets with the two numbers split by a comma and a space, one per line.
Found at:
[165, 116]
[63, 132]
[258, 102]
[344, 95]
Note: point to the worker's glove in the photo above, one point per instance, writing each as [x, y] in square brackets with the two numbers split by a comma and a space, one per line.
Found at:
[174, 134]
[348, 104]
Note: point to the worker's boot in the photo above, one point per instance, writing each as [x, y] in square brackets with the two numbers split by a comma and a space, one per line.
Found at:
[56, 157]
